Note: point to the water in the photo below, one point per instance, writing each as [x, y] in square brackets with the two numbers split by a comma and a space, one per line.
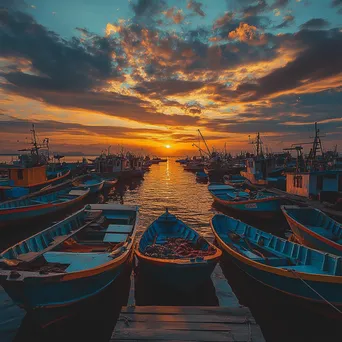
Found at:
[167, 185]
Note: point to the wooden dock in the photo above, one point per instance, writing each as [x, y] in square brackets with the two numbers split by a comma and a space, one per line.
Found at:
[186, 323]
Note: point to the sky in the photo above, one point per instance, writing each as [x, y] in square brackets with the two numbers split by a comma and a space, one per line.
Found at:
[145, 75]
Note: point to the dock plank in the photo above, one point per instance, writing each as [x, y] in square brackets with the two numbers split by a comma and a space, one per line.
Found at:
[158, 323]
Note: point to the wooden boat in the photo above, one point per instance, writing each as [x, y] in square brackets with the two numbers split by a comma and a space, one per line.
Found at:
[234, 180]
[94, 183]
[194, 166]
[182, 273]
[285, 266]
[201, 176]
[313, 228]
[72, 260]
[255, 203]
[39, 205]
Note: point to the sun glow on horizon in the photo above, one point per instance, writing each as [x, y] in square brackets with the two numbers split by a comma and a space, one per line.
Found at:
[167, 146]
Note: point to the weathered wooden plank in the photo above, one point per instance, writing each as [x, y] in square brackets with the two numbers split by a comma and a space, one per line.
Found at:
[181, 310]
[199, 326]
[180, 335]
[184, 318]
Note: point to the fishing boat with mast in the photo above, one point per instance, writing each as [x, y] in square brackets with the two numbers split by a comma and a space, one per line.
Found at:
[29, 173]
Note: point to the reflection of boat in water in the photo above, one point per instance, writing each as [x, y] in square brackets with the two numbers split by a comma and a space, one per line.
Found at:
[280, 264]
[72, 260]
[313, 228]
[189, 261]
[39, 205]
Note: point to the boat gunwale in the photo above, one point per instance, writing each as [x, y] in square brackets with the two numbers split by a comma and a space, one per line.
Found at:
[266, 199]
[82, 273]
[309, 231]
[6, 211]
[183, 261]
[330, 278]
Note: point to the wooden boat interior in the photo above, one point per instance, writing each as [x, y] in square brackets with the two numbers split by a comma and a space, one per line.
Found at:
[168, 226]
[54, 198]
[265, 248]
[316, 221]
[82, 241]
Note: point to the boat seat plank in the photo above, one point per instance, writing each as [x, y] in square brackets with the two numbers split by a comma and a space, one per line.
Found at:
[119, 228]
[115, 238]
[77, 261]
[118, 217]
[27, 256]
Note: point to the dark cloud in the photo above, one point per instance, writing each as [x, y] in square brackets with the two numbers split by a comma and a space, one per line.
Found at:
[148, 8]
[56, 64]
[315, 24]
[168, 87]
[287, 21]
[280, 3]
[320, 59]
[196, 6]
[338, 4]
[255, 8]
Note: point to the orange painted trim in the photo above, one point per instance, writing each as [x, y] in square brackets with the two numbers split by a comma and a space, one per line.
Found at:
[274, 270]
[292, 221]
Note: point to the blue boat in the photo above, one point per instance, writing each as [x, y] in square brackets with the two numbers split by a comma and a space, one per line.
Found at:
[201, 176]
[283, 265]
[72, 260]
[181, 272]
[234, 180]
[261, 203]
[94, 183]
[39, 205]
[313, 228]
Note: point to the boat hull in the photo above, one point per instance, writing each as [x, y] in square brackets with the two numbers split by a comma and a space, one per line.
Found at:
[291, 285]
[14, 215]
[35, 293]
[267, 207]
[308, 238]
[183, 277]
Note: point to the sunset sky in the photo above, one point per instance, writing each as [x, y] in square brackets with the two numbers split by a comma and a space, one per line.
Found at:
[146, 73]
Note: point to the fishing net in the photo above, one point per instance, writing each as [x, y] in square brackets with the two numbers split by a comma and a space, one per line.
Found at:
[178, 248]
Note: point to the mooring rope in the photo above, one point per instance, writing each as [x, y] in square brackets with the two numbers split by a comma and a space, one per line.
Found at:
[312, 289]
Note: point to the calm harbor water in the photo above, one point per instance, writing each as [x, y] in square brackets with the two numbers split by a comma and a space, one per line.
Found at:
[167, 185]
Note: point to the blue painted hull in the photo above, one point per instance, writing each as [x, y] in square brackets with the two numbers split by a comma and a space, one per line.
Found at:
[271, 206]
[180, 277]
[293, 286]
[34, 294]
[311, 241]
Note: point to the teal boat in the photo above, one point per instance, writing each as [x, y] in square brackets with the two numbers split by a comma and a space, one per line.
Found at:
[261, 203]
[182, 272]
[283, 265]
[33, 207]
[94, 183]
[313, 228]
[72, 260]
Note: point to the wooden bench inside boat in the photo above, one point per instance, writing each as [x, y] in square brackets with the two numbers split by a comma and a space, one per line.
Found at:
[120, 217]
[77, 261]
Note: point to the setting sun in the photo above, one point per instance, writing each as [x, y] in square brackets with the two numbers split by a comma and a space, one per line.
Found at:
[167, 146]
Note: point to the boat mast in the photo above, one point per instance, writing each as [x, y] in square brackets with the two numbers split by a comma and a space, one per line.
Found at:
[34, 140]
[205, 143]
